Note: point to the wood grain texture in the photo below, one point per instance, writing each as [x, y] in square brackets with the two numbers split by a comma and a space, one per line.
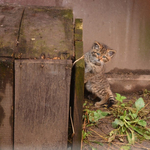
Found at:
[27, 32]
[6, 104]
[46, 30]
[42, 90]
[78, 29]
[10, 17]
[78, 88]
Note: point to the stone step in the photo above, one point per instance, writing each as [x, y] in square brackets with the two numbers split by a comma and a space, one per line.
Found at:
[129, 83]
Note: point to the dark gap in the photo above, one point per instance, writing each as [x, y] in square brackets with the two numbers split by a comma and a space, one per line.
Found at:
[13, 104]
[71, 104]
[6, 57]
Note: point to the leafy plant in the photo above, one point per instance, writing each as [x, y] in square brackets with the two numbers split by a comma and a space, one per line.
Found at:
[146, 92]
[120, 98]
[91, 118]
[129, 121]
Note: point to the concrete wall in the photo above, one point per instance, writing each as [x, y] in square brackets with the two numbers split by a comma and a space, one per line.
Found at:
[123, 25]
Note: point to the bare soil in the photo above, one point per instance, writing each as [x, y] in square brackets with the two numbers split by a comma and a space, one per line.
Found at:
[102, 130]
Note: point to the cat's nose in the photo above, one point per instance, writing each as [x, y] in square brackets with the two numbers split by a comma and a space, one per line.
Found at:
[99, 58]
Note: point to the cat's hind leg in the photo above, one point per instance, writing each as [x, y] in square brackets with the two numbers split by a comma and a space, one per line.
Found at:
[106, 96]
[102, 95]
[111, 99]
[101, 102]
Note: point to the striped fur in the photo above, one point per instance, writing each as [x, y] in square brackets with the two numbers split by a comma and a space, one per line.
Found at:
[95, 80]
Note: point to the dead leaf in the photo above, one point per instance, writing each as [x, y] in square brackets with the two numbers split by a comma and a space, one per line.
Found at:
[56, 58]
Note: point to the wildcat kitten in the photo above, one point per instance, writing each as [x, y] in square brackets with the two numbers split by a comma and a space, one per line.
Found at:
[95, 80]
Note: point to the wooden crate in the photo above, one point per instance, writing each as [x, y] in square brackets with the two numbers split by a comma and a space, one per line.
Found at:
[42, 90]
[6, 103]
[35, 90]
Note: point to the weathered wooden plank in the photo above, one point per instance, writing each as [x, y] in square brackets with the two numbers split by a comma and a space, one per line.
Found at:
[38, 30]
[6, 104]
[41, 104]
[78, 29]
[10, 17]
[78, 97]
[46, 30]
[79, 88]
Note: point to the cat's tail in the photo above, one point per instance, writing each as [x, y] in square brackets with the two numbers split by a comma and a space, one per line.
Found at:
[78, 60]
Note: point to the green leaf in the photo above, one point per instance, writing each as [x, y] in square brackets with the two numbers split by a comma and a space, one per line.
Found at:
[123, 129]
[87, 110]
[123, 97]
[118, 97]
[84, 103]
[125, 147]
[84, 134]
[137, 129]
[112, 132]
[123, 105]
[93, 148]
[127, 118]
[117, 122]
[103, 113]
[94, 116]
[139, 104]
[130, 137]
[89, 125]
[134, 116]
[134, 121]
[125, 113]
[146, 137]
[142, 123]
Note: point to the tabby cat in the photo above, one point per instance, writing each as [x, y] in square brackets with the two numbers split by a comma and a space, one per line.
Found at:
[95, 80]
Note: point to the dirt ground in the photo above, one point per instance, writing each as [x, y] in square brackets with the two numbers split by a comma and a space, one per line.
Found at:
[104, 126]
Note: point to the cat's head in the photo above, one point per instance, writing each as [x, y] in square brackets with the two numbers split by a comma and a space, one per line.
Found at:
[100, 54]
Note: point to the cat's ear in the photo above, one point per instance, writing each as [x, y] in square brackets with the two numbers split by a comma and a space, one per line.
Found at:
[97, 45]
[111, 53]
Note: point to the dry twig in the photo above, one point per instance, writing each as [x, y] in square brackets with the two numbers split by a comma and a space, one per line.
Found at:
[78, 60]
[98, 134]
[72, 124]
[144, 107]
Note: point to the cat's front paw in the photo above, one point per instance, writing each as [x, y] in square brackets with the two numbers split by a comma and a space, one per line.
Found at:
[97, 105]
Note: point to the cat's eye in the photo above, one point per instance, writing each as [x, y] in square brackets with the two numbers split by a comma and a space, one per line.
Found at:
[104, 56]
[98, 54]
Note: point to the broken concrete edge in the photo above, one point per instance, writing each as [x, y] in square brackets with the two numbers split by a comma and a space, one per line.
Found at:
[129, 84]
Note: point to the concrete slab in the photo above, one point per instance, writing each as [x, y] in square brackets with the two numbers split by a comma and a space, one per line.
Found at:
[133, 83]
